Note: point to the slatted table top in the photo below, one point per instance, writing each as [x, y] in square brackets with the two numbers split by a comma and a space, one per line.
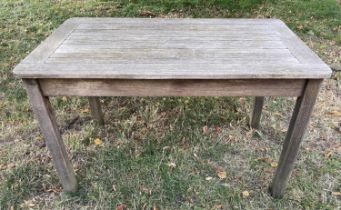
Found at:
[141, 48]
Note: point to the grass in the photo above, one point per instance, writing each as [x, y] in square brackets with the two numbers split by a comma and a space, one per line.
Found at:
[159, 152]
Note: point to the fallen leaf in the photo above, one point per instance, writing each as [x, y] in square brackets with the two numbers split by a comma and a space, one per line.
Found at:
[98, 141]
[262, 149]
[171, 165]
[166, 148]
[219, 206]
[284, 130]
[28, 203]
[218, 129]
[64, 98]
[328, 154]
[146, 13]
[336, 193]
[274, 164]
[146, 190]
[222, 174]
[300, 27]
[54, 190]
[245, 194]
[277, 114]
[268, 170]
[11, 165]
[335, 113]
[121, 207]
[208, 178]
[266, 159]
[205, 129]
[86, 110]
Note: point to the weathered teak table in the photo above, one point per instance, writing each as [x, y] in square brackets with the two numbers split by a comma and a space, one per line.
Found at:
[172, 57]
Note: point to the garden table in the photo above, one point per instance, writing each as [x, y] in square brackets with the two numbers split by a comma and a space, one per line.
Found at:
[172, 57]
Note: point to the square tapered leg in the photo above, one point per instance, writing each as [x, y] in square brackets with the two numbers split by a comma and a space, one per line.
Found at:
[298, 124]
[48, 125]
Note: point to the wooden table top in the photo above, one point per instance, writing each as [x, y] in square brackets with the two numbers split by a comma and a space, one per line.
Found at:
[141, 48]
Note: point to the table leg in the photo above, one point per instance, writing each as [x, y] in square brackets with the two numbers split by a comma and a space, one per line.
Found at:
[96, 110]
[299, 121]
[257, 112]
[48, 125]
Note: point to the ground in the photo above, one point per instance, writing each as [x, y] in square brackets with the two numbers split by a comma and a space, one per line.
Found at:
[169, 153]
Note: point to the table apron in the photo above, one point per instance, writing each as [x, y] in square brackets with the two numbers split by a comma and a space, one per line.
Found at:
[172, 87]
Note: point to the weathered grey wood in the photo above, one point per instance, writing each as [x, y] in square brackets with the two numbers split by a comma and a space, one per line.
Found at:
[297, 47]
[299, 121]
[163, 35]
[154, 37]
[111, 36]
[163, 32]
[173, 57]
[173, 26]
[172, 71]
[174, 21]
[96, 110]
[232, 60]
[257, 112]
[158, 56]
[124, 87]
[128, 53]
[48, 125]
[47, 47]
[174, 44]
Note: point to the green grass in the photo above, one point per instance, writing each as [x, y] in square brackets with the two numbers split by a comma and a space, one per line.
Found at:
[144, 135]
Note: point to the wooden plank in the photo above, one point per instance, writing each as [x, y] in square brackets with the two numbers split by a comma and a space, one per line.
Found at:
[202, 53]
[124, 87]
[48, 125]
[173, 37]
[299, 121]
[173, 71]
[153, 37]
[173, 33]
[167, 56]
[47, 47]
[171, 26]
[96, 110]
[297, 47]
[176, 44]
[231, 60]
[176, 21]
[257, 112]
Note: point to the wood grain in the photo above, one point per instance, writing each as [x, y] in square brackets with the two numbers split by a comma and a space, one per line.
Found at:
[172, 71]
[173, 44]
[123, 87]
[257, 112]
[170, 25]
[174, 21]
[296, 46]
[48, 125]
[127, 48]
[96, 110]
[47, 47]
[299, 121]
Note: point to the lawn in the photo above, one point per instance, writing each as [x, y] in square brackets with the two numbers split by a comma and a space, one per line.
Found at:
[168, 152]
